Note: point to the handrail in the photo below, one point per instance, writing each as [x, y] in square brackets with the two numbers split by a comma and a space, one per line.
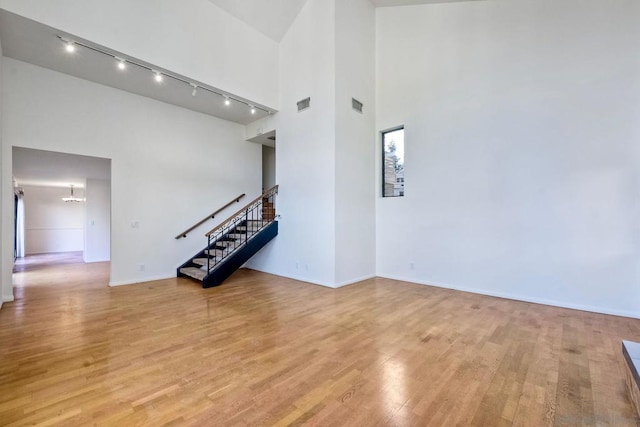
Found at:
[267, 193]
[208, 217]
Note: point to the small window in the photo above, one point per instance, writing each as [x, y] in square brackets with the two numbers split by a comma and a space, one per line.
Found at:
[393, 162]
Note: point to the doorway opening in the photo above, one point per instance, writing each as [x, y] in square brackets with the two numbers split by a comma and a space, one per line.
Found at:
[268, 167]
[62, 209]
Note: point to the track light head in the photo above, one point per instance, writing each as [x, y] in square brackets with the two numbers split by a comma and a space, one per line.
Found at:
[69, 46]
[122, 64]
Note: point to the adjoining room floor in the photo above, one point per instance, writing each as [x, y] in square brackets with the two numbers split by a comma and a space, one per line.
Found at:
[38, 261]
[264, 350]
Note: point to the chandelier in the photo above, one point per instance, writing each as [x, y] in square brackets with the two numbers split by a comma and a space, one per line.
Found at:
[72, 198]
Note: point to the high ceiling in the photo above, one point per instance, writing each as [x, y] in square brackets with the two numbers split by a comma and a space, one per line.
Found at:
[36, 43]
[271, 17]
[274, 17]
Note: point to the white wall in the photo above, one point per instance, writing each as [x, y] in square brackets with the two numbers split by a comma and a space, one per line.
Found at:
[170, 166]
[305, 155]
[325, 155]
[268, 167]
[355, 141]
[97, 226]
[260, 126]
[50, 224]
[190, 37]
[522, 155]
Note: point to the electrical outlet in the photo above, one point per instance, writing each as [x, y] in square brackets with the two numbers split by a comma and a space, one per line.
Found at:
[141, 266]
[411, 265]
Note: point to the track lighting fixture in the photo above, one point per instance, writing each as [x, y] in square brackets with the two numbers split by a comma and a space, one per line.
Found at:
[69, 46]
[122, 64]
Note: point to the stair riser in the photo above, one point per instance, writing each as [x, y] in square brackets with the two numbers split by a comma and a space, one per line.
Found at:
[249, 229]
[225, 244]
[216, 252]
[203, 261]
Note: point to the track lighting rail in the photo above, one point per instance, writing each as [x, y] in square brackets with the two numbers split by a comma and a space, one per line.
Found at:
[159, 74]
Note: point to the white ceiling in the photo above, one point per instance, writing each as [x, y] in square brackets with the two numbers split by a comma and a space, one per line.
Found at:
[390, 3]
[35, 43]
[268, 139]
[270, 17]
[51, 169]
[274, 17]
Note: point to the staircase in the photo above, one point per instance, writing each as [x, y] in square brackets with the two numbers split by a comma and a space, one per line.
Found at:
[234, 242]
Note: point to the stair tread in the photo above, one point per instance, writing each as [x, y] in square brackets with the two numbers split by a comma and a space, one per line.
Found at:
[202, 261]
[194, 272]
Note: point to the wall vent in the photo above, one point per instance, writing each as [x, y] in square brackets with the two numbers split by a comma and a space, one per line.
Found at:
[304, 104]
[356, 105]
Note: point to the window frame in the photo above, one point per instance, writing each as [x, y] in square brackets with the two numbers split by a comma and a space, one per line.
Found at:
[382, 167]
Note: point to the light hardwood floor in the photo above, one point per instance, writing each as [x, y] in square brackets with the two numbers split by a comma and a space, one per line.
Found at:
[264, 350]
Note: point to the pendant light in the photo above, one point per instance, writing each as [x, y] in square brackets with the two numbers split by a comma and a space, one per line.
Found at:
[72, 198]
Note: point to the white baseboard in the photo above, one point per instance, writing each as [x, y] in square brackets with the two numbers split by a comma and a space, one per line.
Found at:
[141, 280]
[7, 298]
[301, 279]
[317, 282]
[353, 281]
[543, 301]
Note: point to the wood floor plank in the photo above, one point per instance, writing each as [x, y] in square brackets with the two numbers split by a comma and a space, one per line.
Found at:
[265, 350]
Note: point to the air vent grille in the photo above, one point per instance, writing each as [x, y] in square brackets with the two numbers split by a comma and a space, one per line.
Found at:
[356, 105]
[304, 104]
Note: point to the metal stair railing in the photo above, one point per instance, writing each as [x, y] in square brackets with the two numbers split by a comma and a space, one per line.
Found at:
[208, 217]
[254, 216]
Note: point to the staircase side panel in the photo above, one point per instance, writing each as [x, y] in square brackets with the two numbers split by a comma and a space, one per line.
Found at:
[242, 255]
